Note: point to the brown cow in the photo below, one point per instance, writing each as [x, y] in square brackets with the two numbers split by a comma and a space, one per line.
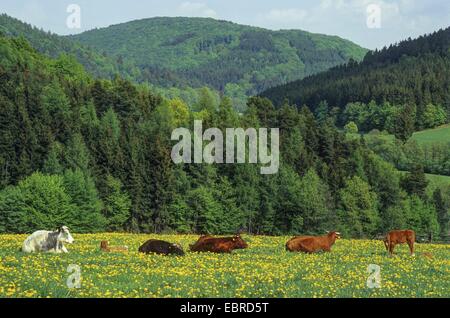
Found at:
[208, 243]
[400, 237]
[312, 244]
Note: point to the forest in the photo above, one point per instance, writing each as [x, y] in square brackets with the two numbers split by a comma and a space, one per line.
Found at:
[405, 86]
[95, 154]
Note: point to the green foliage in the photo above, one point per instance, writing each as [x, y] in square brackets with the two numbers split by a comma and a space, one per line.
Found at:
[415, 183]
[351, 128]
[442, 206]
[422, 217]
[38, 202]
[108, 165]
[86, 215]
[412, 72]
[117, 210]
[404, 126]
[433, 116]
[359, 215]
[197, 51]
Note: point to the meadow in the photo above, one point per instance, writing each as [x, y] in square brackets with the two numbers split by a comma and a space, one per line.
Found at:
[264, 270]
[439, 134]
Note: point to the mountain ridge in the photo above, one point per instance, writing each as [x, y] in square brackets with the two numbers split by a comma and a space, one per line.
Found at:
[236, 60]
[205, 51]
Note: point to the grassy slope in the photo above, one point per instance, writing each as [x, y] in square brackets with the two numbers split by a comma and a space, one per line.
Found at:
[437, 135]
[265, 269]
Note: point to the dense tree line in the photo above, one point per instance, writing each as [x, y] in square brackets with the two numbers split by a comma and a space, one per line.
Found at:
[412, 74]
[434, 157]
[95, 155]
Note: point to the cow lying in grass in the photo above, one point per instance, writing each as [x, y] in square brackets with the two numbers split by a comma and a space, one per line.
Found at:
[47, 241]
[400, 237]
[312, 244]
[208, 243]
[161, 247]
[104, 246]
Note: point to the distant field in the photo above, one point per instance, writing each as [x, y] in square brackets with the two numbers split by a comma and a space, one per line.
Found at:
[437, 135]
[437, 181]
[263, 270]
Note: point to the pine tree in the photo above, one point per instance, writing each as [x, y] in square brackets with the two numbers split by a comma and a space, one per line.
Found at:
[117, 209]
[442, 209]
[415, 183]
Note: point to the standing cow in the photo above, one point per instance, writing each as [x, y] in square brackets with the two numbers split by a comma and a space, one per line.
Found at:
[312, 244]
[400, 237]
[47, 241]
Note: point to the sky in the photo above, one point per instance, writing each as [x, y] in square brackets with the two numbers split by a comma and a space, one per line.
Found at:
[369, 23]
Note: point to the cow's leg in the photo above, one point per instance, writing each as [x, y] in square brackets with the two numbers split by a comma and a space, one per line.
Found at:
[386, 245]
[64, 249]
[411, 247]
[391, 249]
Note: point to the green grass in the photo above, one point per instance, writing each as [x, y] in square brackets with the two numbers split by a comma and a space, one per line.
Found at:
[425, 137]
[436, 135]
[438, 181]
[263, 270]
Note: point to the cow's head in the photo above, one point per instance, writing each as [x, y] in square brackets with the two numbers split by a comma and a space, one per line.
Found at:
[64, 235]
[334, 235]
[176, 249]
[238, 242]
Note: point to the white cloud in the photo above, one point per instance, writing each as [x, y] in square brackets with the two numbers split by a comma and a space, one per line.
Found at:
[196, 9]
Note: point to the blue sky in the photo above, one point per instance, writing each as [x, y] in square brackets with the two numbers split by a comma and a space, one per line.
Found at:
[400, 19]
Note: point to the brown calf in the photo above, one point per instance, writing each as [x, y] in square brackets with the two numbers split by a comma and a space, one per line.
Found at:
[208, 243]
[400, 237]
[104, 246]
[312, 244]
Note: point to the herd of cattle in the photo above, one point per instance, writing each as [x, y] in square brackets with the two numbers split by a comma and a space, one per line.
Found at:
[47, 241]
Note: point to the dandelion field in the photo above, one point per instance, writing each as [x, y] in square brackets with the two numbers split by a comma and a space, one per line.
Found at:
[264, 270]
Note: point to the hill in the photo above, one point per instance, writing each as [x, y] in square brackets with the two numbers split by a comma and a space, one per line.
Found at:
[227, 56]
[53, 45]
[413, 72]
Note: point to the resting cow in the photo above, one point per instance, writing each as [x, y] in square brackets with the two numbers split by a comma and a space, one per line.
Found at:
[400, 237]
[47, 241]
[105, 247]
[312, 244]
[208, 243]
[161, 247]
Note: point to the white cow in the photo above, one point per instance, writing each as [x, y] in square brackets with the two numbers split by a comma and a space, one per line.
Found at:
[47, 241]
